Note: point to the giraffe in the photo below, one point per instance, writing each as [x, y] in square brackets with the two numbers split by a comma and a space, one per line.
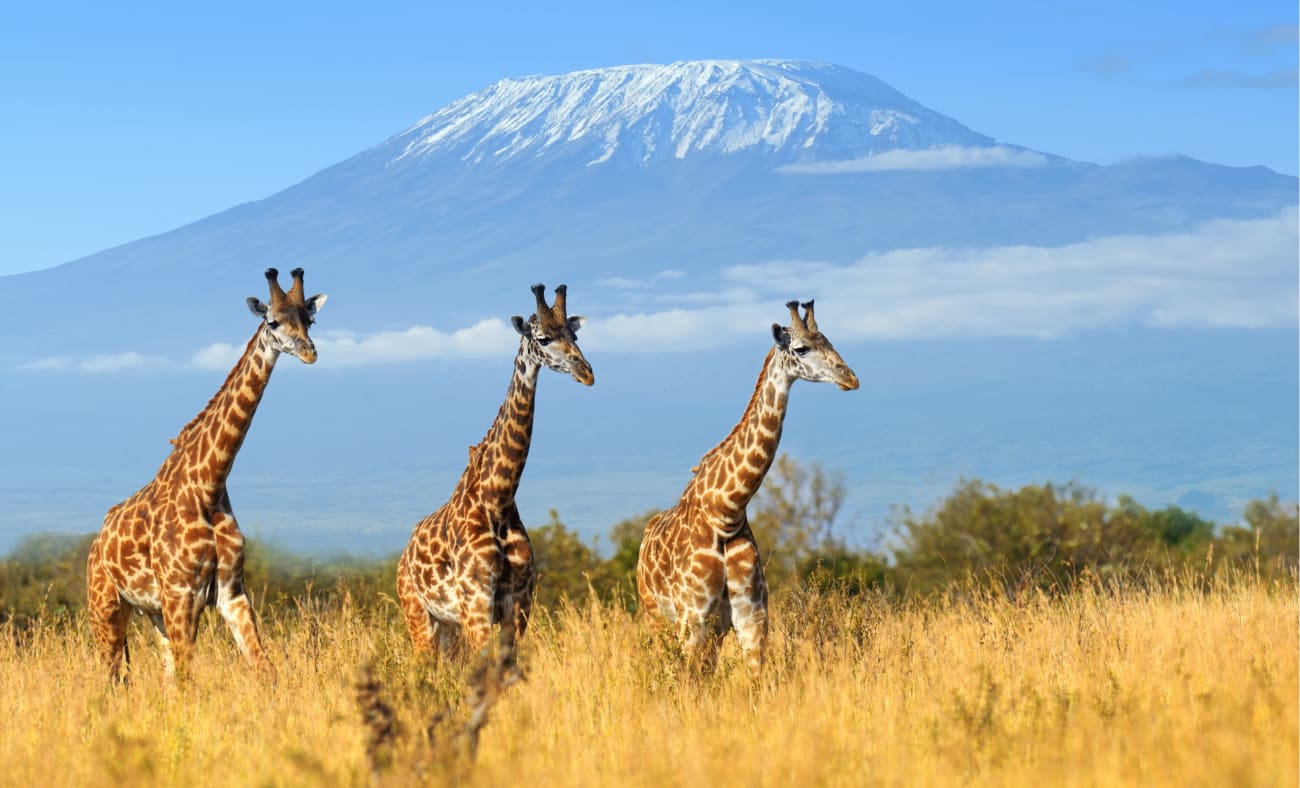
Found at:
[699, 565]
[174, 547]
[469, 564]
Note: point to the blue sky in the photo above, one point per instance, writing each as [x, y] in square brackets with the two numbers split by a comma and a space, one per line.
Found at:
[125, 122]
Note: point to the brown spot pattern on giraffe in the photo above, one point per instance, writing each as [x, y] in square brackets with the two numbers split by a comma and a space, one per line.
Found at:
[467, 563]
[699, 565]
[174, 544]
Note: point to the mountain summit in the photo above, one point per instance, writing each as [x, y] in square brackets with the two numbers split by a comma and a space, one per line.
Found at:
[785, 111]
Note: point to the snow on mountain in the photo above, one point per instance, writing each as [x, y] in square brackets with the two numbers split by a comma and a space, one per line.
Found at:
[787, 112]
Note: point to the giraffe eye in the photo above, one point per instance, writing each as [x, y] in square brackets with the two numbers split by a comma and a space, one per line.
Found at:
[544, 341]
[273, 324]
[801, 351]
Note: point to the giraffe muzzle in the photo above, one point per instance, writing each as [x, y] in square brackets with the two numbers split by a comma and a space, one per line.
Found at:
[583, 374]
[848, 381]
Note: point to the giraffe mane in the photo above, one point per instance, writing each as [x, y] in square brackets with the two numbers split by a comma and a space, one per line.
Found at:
[188, 430]
[753, 401]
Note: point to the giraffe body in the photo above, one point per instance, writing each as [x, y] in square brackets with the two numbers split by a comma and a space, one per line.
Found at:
[174, 547]
[469, 565]
[699, 566]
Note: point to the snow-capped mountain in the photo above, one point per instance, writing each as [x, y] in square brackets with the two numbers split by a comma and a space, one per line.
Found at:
[783, 110]
[610, 172]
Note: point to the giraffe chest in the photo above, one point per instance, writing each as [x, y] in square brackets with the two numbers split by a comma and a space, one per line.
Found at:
[438, 585]
[163, 562]
[146, 591]
[683, 565]
[462, 554]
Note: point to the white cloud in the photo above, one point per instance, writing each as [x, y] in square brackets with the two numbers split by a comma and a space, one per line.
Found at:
[484, 338]
[943, 157]
[349, 348]
[1225, 274]
[625, 283]
[123, 362]
[218, 355]
[106, 363]
[336, 349]
[47, 363]
[725, 295]
[673, 329]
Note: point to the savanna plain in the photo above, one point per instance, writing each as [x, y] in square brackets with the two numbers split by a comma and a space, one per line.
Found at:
[1180, 680]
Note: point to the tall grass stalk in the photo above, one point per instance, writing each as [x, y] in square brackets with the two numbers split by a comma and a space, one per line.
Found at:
[1178, 681]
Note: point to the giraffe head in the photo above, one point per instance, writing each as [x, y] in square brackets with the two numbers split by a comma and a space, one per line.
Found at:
[289, 315]
[550, 336]
[807, 353]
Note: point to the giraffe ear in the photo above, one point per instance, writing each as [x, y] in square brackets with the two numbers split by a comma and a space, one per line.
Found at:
[316, 302]
[256, 307]
[780, 335]
[518, 323]
[576, 322]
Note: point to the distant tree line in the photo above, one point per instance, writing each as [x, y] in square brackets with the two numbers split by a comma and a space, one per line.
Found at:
[1046, 538]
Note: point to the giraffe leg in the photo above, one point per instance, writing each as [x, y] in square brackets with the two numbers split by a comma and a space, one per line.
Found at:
[747, 596]
[477, 604]
[109, 617]
[646, 604]
[418, 621]
[703, 598]
[524, 599]
[484, 571]
[651, 564]
[521, 579]
[180, 615]
[699, 642]
[164, 643]
[232, 597]
[449, 641]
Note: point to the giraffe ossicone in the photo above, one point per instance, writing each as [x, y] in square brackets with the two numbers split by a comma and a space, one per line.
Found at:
[469, 565]
[699, 566]
[174, 546]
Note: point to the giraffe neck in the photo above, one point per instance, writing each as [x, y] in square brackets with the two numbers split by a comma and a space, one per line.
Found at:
[497, 463]
[207, 446]
[730, 473]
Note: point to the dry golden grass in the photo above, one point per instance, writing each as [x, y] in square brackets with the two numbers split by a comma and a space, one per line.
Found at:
[1101, 687]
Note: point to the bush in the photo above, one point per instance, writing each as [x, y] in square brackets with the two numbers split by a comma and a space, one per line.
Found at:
[1045, 537]
[1268, 542]
[793, 518]
[45, 574]
[565, 565]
